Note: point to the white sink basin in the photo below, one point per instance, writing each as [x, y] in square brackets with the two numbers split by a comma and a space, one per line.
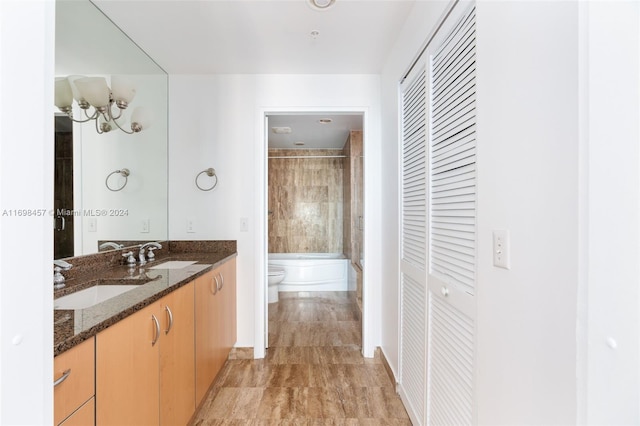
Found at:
[174, 264]
[91, 296]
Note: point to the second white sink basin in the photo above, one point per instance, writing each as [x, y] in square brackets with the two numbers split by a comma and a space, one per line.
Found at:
[90, 296]
[174, 264]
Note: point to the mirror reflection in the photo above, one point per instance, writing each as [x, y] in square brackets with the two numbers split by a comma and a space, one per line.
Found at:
[110, 184]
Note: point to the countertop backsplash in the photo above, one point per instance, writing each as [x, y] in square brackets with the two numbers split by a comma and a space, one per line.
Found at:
[92, 264]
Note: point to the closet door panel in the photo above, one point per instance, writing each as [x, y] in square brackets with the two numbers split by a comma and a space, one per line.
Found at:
[452, 222]
[413, 273]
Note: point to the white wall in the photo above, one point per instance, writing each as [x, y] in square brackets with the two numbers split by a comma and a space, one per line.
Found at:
[26, 182]
[609, 372]
[216, 121]
[528, 169]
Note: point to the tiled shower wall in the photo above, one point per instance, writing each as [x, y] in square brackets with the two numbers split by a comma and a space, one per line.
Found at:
[306, 201]
[353, 222]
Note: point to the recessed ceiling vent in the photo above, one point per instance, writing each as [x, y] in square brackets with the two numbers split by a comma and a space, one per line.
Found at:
[281, 130]
[321, 4]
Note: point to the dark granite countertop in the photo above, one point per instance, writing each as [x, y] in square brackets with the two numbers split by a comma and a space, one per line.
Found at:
[72, 327]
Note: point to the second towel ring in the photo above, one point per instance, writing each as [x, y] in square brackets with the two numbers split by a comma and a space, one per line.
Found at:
[122, 172]
[211, 173]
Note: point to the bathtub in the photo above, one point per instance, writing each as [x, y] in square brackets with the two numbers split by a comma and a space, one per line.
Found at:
[312, 271]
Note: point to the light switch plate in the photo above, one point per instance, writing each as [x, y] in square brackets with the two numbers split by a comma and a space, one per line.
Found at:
[144, 226]
[191, 225]
[244, 224]
[92, 224]
[501, 249]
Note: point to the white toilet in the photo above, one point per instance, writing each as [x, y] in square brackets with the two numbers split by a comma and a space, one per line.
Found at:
[276, 275]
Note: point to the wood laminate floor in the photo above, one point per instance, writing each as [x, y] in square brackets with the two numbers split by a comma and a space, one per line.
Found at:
[313, 374]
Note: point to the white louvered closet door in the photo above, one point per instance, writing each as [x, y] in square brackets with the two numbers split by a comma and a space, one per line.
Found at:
[413, 263]
[438, 228]
[452, 222]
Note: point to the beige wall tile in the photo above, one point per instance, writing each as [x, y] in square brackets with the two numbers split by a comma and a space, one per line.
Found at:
[306, 201]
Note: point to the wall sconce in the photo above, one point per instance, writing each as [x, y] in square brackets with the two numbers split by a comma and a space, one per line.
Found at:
[94, 92]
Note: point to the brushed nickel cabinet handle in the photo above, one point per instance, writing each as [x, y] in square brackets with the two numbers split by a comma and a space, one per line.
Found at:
[157, 334]
[217, 285]
[222, 281]
[65, 376]
[170, 314]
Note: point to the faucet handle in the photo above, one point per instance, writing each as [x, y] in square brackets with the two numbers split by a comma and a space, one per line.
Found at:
[130, 259]
[64, 266]
[141, 257]
[150, 254]
[58, 278]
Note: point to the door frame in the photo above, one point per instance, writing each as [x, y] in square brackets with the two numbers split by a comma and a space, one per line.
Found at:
[261, 238]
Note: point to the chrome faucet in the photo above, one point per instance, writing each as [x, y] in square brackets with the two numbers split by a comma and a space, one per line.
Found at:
[110, 244]
[58, 278]
[150, 256]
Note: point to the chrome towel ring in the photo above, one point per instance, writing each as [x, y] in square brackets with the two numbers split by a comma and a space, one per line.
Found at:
[122, 172]
[211, 173]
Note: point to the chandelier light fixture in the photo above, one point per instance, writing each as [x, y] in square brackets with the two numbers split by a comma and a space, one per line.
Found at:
[94, 92]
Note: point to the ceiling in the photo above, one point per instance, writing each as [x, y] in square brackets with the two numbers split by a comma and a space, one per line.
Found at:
[308, 129]
[268, 37]
[79, 55]
[261, 36]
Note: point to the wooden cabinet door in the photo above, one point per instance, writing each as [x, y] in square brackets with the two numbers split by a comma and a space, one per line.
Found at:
[218, 327]
[84, 416]
[205, 291]
[229, 321]
[215, 323]
[177, 368]
[75, 370]
[127, 366]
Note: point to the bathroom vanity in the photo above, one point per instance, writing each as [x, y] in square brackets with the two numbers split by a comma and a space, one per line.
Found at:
[149, 354]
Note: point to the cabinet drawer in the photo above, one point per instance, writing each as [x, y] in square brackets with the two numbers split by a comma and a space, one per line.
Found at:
[78, 366]
[85, 416]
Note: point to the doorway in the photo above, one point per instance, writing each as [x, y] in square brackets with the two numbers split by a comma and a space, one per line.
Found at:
[314, 196]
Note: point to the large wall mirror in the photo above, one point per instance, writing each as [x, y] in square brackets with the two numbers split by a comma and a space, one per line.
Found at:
[95, 200]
